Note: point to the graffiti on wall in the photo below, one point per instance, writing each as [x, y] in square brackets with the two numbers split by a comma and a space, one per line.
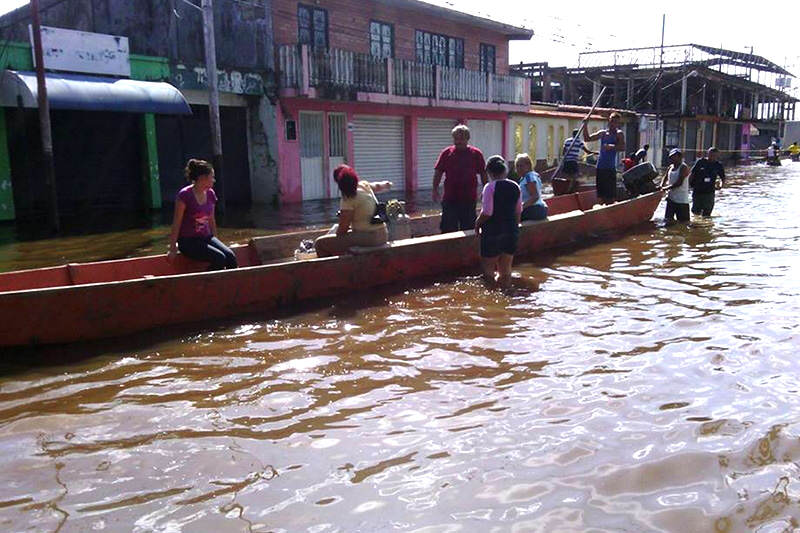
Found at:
[233, 81]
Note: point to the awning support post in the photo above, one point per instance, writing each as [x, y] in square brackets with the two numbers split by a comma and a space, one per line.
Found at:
[213, 98]
[152, 185]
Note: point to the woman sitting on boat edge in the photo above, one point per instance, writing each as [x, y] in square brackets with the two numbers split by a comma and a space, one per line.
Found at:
[194, 224]
[357, 226]
[530, 184]
[498, 222]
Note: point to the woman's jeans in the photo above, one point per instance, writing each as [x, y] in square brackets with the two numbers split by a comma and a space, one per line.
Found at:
[208, 249]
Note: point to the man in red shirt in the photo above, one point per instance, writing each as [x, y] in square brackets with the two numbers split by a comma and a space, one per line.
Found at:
[459, 164]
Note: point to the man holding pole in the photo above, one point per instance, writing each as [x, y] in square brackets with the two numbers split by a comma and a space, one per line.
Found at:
[571, 152]
[612, 141]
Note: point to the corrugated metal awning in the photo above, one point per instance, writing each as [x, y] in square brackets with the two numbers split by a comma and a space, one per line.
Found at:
[92, 93]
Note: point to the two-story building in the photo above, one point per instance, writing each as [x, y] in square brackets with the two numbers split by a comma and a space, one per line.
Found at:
[113, 158]
[380, 85]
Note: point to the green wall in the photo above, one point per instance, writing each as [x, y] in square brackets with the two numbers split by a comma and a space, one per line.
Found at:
[18, 56]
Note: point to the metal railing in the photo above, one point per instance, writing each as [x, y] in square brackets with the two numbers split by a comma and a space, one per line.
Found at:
[336, 68]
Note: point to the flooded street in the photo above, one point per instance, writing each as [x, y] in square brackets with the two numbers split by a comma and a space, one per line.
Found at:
[649, 384]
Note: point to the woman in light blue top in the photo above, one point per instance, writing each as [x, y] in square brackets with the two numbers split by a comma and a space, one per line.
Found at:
[533, 207]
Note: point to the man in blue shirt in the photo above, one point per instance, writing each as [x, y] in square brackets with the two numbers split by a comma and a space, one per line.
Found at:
[612, 141]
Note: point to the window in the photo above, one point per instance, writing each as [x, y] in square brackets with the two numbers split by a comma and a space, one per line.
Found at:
[435, 49]
[381, 39]
[337, 135]
[533, 142]
[517, 138]
[312, 26]
[487, 55]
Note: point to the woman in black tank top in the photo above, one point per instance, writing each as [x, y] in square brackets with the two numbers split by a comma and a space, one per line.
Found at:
[498, 222]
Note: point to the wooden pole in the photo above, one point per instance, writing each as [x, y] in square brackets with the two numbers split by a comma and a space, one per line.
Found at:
[580, 131]
[213, 98]
[44, 120]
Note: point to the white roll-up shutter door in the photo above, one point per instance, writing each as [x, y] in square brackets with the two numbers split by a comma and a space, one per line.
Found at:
[433, 136]
[379, 149]
[487, 136]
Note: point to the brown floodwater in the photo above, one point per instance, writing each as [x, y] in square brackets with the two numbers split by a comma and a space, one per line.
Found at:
[649, 384]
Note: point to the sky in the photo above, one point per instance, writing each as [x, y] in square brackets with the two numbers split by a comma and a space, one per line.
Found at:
[564, 29]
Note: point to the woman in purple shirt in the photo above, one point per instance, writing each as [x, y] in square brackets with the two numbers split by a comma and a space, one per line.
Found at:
[194, 225]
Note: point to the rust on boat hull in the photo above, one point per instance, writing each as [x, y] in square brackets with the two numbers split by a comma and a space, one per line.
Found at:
[109, 308]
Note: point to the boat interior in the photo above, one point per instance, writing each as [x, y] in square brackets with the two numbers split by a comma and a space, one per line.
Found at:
[259, 251]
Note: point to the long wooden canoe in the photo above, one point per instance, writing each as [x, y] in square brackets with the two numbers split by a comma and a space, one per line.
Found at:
[87, 301]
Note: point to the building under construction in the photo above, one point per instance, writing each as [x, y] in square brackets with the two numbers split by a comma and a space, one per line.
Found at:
[700, 96]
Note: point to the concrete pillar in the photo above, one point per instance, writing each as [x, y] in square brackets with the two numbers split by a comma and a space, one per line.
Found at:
[152, 182]
[684, 88]
[703, 105]
[412, 172]
[264, 132]
[682, 145]
[568, 94]
[629, 99]
[546, 86]
[595, 91]
[6, 192]
[719, 102]
[305, 70]
[754, 106]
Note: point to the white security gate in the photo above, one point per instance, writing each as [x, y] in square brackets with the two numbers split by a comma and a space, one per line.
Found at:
[433, 136]
[487, 136]
[311, 156]
[337, 134]
[379, 149]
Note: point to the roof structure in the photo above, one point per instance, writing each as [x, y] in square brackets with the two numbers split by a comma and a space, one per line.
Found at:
[575, 111]
[514, 33]
[680, 54]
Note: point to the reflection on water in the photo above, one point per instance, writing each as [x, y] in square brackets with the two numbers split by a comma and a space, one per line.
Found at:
[649, 384]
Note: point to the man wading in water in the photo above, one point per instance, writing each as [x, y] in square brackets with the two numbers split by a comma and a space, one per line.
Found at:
[460, 164]
[612, 141]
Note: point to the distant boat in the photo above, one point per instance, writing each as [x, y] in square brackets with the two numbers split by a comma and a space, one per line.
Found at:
[88, 301]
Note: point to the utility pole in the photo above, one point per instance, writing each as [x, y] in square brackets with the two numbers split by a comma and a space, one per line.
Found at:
[660, 68]
[658, 89]
[213, 98]
[44, 120]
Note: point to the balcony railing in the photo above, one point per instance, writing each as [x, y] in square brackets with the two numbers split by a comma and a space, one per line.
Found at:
[414, 79]
[335, 67]
[301, 67]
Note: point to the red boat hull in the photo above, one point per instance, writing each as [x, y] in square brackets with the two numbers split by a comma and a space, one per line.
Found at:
[120, 299]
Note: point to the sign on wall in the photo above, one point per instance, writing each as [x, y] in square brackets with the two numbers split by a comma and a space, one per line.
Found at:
[81, 51]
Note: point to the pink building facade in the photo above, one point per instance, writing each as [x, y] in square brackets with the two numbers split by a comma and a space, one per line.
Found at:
[380, 84]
